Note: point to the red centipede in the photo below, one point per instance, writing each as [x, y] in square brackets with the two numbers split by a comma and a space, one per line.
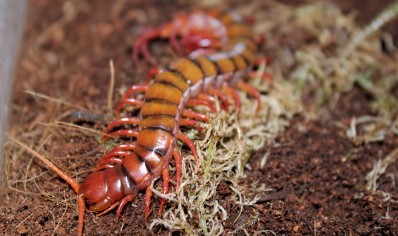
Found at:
[222, 49]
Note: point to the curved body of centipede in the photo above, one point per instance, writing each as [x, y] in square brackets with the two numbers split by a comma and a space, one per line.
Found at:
[165, 107]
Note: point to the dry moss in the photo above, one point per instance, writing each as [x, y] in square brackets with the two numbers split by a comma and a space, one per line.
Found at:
[228, 142]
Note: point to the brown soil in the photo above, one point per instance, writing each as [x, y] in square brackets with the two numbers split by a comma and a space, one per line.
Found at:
[316, 175]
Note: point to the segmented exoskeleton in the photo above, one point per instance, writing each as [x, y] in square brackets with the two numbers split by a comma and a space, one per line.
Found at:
[194, 80]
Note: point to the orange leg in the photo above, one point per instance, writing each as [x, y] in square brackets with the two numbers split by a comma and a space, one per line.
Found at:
[81, 205]
[166, 182]
[223, 98]
[151, 75]
[231, 91]
[125, 147]
[141, 46]
[262, 59]
[181, 136]
[178, 162]
[264, 76]
[194, 115]
[148, 196]
[104, 163]
[206, 97]
[123, 202]
[122, 132]
[197, 102]
[128, 101]
[147, 55]
[135, 89]
[113, 206]
[103, 166]
[189, 122]
[174, 43]
[119, 151]
[122, 121]
[251, 91]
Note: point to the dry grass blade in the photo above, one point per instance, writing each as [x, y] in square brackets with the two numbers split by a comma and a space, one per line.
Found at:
[380, 168]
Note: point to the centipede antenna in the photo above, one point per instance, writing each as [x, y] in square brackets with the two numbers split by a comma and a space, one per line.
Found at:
[72, 182]
[81, 204]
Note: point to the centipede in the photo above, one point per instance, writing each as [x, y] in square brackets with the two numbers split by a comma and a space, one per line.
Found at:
[217, 51]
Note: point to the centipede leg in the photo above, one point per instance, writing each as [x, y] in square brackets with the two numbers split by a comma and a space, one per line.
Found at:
[121, 205]
[113, 206]
[194, 115]
[125, 147]
[147, 56]
[121, 150]
[146, 36]
[123, 202]
[174, 43]
[147, 201]
[251, 91]
[166, 182]
[128, 101]
[223, 98]
[181, 136]
[103, 164]
[114, 154]
[191, 123]
[151, 75]
[121, 121]
[197, 102]
[178, 163]
[206, 97]
[131, 101]
[135, 89]
[122, 132]
[231, 91]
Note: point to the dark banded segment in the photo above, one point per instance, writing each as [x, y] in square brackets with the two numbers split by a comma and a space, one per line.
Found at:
[223, 62]
[208, 67]
[164, 91]
[248, 55]
[127, 183]
[137, 170]
[153, 160]
[239, 30]
[156, 108]
[188, 69]
[172, 78]
[163, 122]
[156, 140]
[239, 62]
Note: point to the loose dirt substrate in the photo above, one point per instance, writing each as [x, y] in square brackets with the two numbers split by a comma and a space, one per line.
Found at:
[313, 180]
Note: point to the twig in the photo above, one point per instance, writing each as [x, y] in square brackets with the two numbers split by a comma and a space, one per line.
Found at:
[111, 88]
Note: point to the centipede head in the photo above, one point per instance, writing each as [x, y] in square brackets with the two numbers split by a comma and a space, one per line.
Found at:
[94, 190]
[102, 190]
